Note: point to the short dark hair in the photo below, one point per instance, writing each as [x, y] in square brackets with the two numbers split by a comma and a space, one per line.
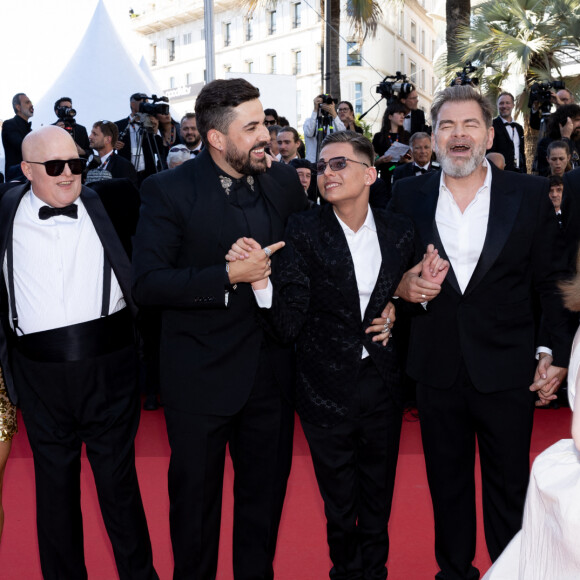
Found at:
[558, 145]
[559, 117]
[215, 104]
[361, 145]
[290, 130]
[418, 136]
[109, 129]
[187, 117]
[506, 94]
[555, 180]
[274, 129]
[59, 101]
[16, 100]
[271, 113]
[459, 94]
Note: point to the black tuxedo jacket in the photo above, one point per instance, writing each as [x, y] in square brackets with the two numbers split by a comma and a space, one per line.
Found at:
[209, 349]
[119, 167]
[418, 122]
[407, 170]
[113, 237]
[571, 215]
[13, 132]
[491, 326]
[316, 302]
[503, 144]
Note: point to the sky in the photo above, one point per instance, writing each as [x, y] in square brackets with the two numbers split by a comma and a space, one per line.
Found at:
[39, 37]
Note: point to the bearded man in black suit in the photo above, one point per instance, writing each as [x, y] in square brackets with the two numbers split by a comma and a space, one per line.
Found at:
[68, 354]
[472, 350]
[223, 379]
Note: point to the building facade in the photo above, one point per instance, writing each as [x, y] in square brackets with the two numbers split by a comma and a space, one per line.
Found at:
[286, 39]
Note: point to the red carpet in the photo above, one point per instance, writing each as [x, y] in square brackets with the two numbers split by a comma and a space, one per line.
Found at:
[302, 551]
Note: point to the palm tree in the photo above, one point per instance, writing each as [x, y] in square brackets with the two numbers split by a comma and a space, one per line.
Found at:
[530, 38]
[363, 16]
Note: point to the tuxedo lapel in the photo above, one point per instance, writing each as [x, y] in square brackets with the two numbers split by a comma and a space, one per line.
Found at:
[505, 201]
[111, 244]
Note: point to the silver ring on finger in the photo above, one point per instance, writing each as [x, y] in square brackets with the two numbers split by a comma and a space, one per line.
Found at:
[423, 296]
[268, 252]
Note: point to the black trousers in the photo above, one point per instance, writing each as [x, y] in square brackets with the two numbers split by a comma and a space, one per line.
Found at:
[260, 443]
[355, 463]
[451, 421]
[94, 402]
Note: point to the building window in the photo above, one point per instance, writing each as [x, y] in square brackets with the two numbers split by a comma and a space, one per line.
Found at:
[413, 32]
[171, 82]
[432, 85]
[358, 98]
[249, 29]
[273, 64]
[187, 38]
[422, 43]
[296, 15]
[412, 72]
[353, 57]
[250, 66]
[227, 33]
[422, 79]
[401, 23]
[297, 68]
[153, 54]
[402, 68]
[272, 22]
[171, 48]
[187, 78]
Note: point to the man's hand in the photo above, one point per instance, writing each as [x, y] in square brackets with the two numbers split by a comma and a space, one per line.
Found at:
[317, 102]
[241, 249]
[547, 379]
[383, 325]
[255, 267]
[330, 109]
[567, 129]
[414, 288]
[119, 145]
[434, 268]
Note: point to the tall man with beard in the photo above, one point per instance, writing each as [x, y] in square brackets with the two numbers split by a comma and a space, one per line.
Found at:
[223, 379]
[472, 350]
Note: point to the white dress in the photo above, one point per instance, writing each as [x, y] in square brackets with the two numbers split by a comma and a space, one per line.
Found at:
[548, 545]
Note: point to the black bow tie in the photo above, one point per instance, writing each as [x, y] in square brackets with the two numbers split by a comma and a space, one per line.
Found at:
[421, 169]
[70, 211]
[512, 124]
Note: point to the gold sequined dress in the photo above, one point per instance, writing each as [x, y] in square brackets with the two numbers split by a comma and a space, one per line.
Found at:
[8, 426]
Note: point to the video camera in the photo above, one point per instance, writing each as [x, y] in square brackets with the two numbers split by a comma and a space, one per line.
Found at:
[396, 88]
[542, 93]
[158, 106]
[463, 76]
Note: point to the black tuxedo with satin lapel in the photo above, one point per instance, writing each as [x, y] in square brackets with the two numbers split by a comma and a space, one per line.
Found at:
[502, 143]
[408, 170]
[115, 239]
[472, 354]
[316, 303]
[92, 399]
[418, 123]
[223, 379]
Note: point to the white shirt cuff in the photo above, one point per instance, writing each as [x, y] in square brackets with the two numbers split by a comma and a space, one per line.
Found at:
[264, 297]
[543, 349]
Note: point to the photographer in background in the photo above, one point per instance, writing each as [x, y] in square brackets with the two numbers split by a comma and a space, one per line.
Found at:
[323, 120]
[563, 125]
[543, 96]
[63, 109]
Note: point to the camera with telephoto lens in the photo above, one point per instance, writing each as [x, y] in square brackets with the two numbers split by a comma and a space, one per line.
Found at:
[158, 106]
[462, 77]
[542, 93]
[395, 87]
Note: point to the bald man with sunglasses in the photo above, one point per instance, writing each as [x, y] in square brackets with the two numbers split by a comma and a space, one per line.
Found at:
[68, 355]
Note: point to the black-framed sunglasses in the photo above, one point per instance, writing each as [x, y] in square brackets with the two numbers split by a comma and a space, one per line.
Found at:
[55, 167]
[177, 148]
[268, 122]
[336, 164]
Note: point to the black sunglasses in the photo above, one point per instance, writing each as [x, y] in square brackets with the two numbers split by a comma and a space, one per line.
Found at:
[268, 122]
[55, 167]
[336, 164]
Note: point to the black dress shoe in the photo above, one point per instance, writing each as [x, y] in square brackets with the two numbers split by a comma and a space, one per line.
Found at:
[151, 403]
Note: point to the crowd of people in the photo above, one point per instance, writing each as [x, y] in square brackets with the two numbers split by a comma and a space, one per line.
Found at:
[265, 274]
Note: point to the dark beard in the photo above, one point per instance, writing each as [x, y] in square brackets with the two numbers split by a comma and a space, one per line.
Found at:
[243, 163]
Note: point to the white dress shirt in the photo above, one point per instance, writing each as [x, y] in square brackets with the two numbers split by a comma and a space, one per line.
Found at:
[58, 269]
[463, 234]
[366, 256]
